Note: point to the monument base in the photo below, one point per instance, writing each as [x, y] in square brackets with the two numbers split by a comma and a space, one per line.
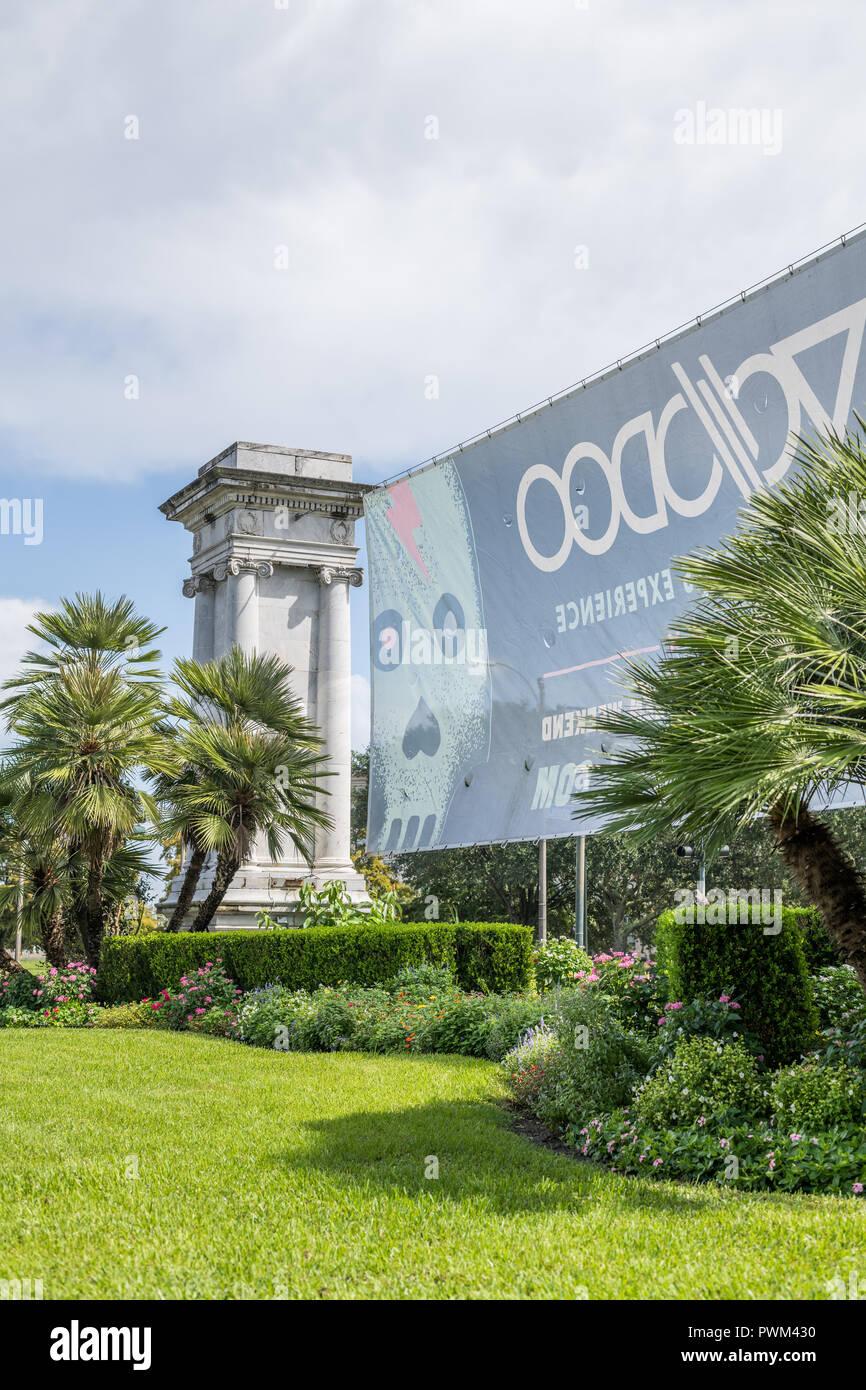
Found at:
[271, 888]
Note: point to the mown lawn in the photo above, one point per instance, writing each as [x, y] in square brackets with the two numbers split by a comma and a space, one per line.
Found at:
[265, 1175]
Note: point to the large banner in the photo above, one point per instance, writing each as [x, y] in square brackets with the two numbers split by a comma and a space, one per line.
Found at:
[507, 582]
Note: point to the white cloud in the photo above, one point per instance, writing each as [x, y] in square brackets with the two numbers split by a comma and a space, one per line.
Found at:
[360, 712]
[15, 640]
[408, 257]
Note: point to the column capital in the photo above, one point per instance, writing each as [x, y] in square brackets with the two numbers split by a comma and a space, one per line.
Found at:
[235, 566]
[327, 574]
[196, 584]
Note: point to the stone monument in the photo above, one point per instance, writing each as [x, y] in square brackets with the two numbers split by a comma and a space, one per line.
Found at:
[273, 542]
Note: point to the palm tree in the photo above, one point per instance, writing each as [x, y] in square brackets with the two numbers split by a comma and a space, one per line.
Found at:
[756, 707]
[86, 717]
[82, 737]
[92, 632]
[249, 764]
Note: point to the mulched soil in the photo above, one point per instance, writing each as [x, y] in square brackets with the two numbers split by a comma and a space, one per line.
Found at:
[523, 1123]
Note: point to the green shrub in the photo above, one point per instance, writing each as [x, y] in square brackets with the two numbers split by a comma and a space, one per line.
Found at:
[217, 1022]
[560, 962]
[817, 946]
[599, 1064]
[418, 982]
[68, 1013]
[26, 991]
[846, 1044]
[704, 1078]
[720, 1019]
[460, 1025]
[16, 1016]
[405, 1018]
[530, 1068]
[274, 1017]
[126, 1016]
[200, 990]
[513, 1019]
[838, 996]
[481, 956]
[495, 957]
[630, 985]
[832, 1161]
[810, 1097]
[752, 962]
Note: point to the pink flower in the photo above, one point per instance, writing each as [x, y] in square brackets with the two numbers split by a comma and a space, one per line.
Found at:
[702, 1120]
[724, 998]
[657, 1161]
[858, 1187]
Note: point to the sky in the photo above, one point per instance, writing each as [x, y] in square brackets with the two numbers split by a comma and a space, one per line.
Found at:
[372, 227]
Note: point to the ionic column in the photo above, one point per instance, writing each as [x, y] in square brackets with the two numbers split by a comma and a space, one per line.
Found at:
[243, 606]
[201, 586]
[334, 711]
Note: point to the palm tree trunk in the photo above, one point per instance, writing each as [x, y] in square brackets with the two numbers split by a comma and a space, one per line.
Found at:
[227, 866]
[9, 964]
[187, 890]
[54, 939]
[92, 923]
[829, 879]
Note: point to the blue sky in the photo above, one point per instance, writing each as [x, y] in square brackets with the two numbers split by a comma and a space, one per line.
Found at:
[488, 194]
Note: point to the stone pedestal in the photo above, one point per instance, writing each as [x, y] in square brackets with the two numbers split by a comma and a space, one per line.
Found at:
[272, 567]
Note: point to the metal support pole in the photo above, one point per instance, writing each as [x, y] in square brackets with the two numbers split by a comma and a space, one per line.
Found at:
[702, 875]
[19, 914]
[580, 894]
[542, 892]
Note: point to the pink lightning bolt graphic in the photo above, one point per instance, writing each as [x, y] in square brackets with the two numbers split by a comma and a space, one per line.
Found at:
[404, 516]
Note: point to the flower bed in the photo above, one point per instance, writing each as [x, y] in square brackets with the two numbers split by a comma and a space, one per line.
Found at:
[683, 1090]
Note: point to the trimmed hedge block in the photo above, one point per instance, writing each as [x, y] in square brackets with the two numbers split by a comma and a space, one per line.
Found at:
[483, 956]
[762, 967]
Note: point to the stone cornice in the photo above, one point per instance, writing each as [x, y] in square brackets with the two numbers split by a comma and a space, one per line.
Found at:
[219, 489]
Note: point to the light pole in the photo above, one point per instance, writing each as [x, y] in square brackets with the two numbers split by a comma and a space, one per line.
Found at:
[19, 912]
[689, 852]
[580, 894]
[542, 892]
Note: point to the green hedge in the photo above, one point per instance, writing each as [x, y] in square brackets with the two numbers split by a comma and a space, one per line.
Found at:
[766, 972]
[819, 949]
[483, 955]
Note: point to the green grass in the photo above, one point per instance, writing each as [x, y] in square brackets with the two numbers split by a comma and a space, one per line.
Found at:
[266, 1175]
